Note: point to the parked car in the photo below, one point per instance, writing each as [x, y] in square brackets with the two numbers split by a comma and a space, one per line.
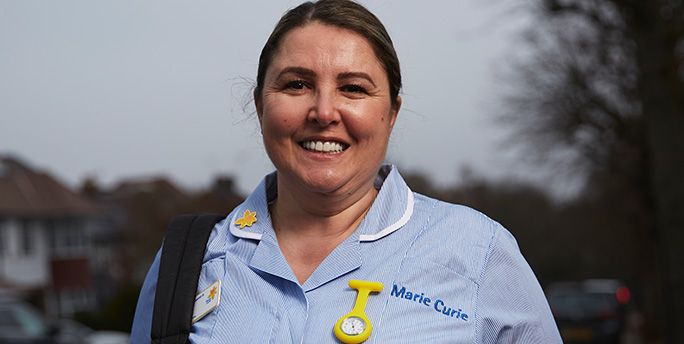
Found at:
[20, 323]
[108, 337]
[590, 311]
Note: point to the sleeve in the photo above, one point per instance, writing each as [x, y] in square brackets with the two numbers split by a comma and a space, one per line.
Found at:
[512, 305]
[142, 321]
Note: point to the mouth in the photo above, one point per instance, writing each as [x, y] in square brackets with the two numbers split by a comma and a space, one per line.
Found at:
[329, 147]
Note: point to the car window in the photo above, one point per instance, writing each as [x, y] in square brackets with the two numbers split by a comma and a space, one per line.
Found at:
[8, 320]
[16, 317]
[579, 304]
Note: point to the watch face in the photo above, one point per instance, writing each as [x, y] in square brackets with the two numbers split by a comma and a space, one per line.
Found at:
[353, 326]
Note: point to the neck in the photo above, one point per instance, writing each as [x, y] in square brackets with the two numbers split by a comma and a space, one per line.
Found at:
[309, 226]
[318, 214]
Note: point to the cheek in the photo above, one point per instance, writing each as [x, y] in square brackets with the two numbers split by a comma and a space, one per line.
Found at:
[279, 125]
[369, 124]
[277, 122]
[282, 113]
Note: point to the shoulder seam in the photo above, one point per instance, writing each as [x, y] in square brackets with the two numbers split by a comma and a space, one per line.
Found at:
[489, 250]
[485, 263]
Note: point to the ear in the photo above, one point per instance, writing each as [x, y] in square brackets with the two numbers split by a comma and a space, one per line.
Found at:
[395, 111]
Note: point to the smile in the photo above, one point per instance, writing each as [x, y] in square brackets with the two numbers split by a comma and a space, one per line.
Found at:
[324, 146]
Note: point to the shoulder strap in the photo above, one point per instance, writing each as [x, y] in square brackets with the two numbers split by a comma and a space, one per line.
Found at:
[179, 269]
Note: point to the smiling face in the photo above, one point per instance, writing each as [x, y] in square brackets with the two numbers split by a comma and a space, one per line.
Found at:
[325, 110]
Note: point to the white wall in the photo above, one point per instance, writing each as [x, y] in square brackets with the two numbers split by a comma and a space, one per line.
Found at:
[17, 266]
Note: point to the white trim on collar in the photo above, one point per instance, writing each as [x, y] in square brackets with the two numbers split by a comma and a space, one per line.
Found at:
[240, 233]
[393, 227]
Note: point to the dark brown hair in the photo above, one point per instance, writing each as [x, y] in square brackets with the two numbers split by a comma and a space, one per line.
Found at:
[344, 14]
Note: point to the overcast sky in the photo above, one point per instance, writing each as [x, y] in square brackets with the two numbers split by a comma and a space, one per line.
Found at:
[118, 89]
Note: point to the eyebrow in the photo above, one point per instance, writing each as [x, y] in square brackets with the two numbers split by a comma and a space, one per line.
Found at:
[352, 75]
[297, 70]
[305, 72]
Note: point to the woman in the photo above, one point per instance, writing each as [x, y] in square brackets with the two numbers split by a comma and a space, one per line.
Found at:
[327, 97]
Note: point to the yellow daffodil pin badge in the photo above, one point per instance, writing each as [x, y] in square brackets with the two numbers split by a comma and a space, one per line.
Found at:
[247, 219]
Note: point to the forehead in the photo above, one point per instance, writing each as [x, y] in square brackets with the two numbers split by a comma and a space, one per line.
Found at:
[323, 47]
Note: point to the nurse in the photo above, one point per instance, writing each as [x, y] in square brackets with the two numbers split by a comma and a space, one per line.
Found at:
[327, 98]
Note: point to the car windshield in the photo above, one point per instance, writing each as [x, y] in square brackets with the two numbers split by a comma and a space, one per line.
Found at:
[580, 304]
[17, 319]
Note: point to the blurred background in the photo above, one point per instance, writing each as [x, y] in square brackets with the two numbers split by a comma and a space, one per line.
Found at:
[562, 120]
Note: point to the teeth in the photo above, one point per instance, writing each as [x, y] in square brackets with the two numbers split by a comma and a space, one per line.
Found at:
[327, 146]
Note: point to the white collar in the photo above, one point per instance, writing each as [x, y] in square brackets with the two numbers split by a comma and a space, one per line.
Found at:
[391, 209]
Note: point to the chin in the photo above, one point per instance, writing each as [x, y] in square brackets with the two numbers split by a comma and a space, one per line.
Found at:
[324, 181]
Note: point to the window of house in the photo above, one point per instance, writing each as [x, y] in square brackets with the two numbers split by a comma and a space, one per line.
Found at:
[50, 233]
[2, 238]
[69, 237]
[75, 299]
[27, 238]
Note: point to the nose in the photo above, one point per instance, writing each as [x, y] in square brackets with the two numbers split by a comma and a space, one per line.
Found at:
[324, 111]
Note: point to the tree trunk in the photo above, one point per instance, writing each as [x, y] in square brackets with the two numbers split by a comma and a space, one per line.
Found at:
[661, 90]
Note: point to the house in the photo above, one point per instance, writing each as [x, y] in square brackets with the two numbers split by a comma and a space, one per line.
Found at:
[139, 210]
[45, 238]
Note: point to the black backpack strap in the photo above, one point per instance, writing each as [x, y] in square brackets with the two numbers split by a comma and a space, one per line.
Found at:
[179, 269]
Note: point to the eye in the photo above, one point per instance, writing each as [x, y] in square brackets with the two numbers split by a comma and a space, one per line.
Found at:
[296, 85]
[351, 88]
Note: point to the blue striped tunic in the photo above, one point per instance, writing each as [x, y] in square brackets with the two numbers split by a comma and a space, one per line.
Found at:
[450, 275]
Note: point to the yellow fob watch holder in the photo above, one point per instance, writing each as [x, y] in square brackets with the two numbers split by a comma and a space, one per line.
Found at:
[355, 327]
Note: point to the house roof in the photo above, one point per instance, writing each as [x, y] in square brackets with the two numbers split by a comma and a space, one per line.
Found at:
[153, 184]
[26, 192]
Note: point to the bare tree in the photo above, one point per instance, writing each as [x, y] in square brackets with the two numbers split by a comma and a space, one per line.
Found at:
[606, 82]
